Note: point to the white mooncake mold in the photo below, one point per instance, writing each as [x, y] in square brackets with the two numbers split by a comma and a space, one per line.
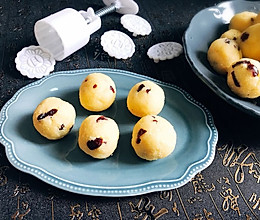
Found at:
[136, 24]
[164, 51]
[117, 44]
[34, 62]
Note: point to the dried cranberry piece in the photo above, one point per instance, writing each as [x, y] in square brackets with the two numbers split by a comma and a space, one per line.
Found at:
[240, 62]
[235, 79]
[250, 66]
[101, 118]
[139, 134]
[244, 36]
[61, 127]
[227, 41]
[95, 86]
[94, 144]
[154, 120]
[140, 87]
[113, 90]
[46, 114]
[253, 69]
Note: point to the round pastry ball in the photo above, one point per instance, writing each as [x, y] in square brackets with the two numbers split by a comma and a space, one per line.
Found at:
[97, 92]
[243, 78]
[231, 34]
[98, 136]
[145, 98]
[249, 42]
[243, 20]
[222, 53]
[54, 118]
[153, 138]
[257, 19]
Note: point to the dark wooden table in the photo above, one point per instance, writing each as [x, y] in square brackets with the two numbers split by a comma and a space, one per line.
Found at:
[227, 189]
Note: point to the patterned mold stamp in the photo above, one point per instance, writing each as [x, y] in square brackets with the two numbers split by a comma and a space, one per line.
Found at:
[34, 62]
[164, 51]
[136, 24]
[117, 44]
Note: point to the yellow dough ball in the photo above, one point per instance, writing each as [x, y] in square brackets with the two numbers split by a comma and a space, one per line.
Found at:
[257, 19]
[231, 34]
[54, 118]
[249, 42]
[243, 78]
[222, 53]
[145, 98]
[242, 20]
[98, 136]
[97, 92]
[153, 138]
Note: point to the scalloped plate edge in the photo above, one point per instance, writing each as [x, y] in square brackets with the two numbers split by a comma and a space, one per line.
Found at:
[121, 191]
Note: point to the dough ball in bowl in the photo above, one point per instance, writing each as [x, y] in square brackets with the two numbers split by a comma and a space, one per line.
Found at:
[249, 42]
[98, 136]
[231, 34]
[153, 137]
[54, 118]
[222, 53]
[97, 92]
[145, 98]
[243, 78]
[242, 20]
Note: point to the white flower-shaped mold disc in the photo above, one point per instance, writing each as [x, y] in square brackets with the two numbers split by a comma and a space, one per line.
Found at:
[164, 51]
[136, 24]
[117, 44]
[34, 62]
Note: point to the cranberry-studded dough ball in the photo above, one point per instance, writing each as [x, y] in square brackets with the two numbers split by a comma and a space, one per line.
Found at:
[145, 98]
[54, 118]
[242, 20]
[222, 53]
[231, 34]
[97, 92]
[153, 137]
[243, 78]
[249, 42]
[98, 136]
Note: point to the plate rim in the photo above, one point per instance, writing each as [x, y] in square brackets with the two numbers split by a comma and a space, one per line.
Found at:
[234, 101]
[109, 191]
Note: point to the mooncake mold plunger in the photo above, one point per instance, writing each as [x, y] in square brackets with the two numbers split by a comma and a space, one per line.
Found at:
[68, 30]
[65, 32]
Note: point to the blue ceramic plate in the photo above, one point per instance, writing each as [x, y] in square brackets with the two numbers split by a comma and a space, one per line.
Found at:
[204, 28]
[62, 164]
